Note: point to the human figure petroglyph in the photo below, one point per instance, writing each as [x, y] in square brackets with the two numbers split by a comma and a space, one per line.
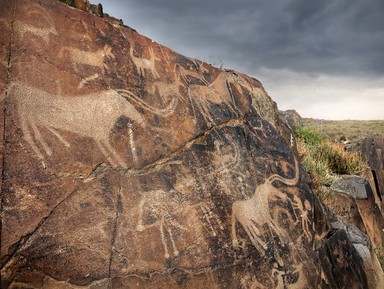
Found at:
[143, 64]
[158, 206]
[92, 115]
[304, 209]
[91, 58]
[254, 213]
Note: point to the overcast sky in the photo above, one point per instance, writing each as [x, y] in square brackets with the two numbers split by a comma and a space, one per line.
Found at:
[324, 58]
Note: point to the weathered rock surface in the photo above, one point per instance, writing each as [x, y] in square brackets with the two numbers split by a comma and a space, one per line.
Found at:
[127, 165]
[372, 150]
[354, 200]
[291, 117]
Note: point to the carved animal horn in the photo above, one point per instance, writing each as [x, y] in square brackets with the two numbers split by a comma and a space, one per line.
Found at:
[289, 182]
[159, 111]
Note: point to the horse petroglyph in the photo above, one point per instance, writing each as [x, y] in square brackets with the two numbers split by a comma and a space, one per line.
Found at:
[254, 213]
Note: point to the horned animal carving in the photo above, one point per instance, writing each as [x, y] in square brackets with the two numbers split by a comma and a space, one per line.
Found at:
[91, 115]
[254, 213]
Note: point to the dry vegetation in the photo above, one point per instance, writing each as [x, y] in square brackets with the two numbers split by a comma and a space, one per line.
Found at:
[350, 129]
[323, 159]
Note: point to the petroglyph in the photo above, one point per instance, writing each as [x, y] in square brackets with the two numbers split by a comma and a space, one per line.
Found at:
[156, 208]
[143, 64]
[23, 28]
[254, 213]
[92, 115]
[168, 110]
[210, 219]
[203, 97]
[91, 58]
[304, 209]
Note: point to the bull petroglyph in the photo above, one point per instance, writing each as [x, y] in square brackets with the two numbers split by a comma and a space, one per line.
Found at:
[254, 213]
[92, 115]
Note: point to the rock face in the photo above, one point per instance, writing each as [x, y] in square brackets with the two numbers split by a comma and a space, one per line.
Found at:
[127, 165]
[372, 150]
[354, 200]
[291, 117]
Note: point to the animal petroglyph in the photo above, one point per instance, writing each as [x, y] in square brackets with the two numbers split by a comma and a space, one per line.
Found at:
[91, 58]
[157, 207]
[168, 110]
[203, 97]
[254, 213]
[92, 115]
[23, 28]
[143, 64]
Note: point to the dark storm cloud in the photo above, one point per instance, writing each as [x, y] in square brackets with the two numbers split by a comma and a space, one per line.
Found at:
[328, 36]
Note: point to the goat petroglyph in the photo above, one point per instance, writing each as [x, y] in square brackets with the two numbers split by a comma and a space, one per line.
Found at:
[91, 58]
[254, 213]
[143, 64]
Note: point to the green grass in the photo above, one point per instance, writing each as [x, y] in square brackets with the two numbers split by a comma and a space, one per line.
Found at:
[350, 129]
[380, 256]
[323, 159]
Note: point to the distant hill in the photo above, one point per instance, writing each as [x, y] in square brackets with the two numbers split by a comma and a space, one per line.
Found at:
[349, 129]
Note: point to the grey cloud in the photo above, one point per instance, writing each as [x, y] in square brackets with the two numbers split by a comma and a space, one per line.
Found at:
[325, 36]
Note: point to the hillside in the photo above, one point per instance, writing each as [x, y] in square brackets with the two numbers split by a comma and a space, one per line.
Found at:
[350, 129]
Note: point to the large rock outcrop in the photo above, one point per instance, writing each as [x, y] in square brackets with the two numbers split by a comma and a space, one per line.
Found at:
[128, 165]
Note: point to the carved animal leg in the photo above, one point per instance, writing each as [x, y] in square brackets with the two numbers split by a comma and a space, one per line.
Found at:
[132, 144]
[281, 234]
[29, 139]
[253, 234]
[235, 241]
[161, 228]
[175, 251]
[115, 154]
[57, 134]
[40, 138]
[105, 153]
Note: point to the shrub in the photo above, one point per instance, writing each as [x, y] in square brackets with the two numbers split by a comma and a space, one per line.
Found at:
[309, 135]
[380, 256]
[323, 159]
[338, 160]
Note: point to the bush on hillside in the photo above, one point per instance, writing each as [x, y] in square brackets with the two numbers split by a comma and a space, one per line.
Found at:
[323, 159]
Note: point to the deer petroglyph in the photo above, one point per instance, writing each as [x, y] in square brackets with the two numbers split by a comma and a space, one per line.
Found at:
[254, 213]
